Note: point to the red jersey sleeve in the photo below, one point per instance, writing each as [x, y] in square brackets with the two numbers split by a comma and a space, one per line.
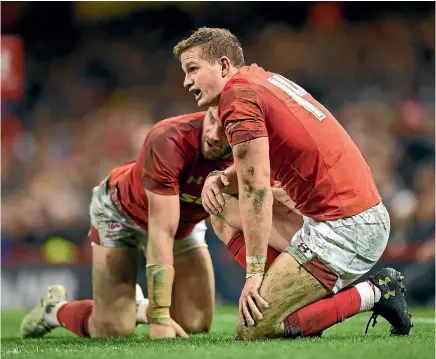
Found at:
[242, 114]
[163, 164]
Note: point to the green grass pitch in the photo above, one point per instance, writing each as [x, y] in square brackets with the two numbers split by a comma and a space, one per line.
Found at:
[346, 340]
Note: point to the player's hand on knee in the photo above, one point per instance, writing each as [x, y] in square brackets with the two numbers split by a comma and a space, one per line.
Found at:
[211, 196]
[166, 328]
[251, 304]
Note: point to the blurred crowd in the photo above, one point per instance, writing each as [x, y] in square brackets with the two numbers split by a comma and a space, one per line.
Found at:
[89, 110]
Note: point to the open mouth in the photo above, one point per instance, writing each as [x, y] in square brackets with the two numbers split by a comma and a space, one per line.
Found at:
[197, 94]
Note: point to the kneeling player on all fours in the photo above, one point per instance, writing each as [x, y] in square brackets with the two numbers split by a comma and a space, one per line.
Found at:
[277, 130]
[154, 204]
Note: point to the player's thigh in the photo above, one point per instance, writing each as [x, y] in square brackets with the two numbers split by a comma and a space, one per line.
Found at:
[285, 222]
[115, 265]
[227, 224]
[114, 276]
[193, 295]
[287, 287]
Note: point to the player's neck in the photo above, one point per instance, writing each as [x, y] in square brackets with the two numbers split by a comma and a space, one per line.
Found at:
[232, 72]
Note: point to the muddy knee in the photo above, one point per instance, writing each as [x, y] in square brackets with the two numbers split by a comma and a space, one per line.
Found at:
[249, 333]
[259, 332]
[196, 322]
[111, 327]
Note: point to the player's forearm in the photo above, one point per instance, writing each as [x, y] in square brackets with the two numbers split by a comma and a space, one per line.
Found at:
[163, 219]
[255, 205]
[160, 274]
[255, 199]
[160, 247]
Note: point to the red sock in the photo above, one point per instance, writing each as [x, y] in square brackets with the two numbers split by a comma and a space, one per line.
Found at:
[323, 314]
[236, 246]
[74, 316]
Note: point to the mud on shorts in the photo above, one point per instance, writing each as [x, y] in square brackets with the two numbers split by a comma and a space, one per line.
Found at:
[339, 251]
[110, 228]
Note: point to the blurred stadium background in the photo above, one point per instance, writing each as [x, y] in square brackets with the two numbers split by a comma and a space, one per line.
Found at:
[82, 82]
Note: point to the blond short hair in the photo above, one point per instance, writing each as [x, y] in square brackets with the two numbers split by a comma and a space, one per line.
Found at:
[215, 43]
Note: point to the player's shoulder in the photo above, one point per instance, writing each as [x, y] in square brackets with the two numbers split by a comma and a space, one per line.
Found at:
[240, 80]
[248, 86]
[247, 77]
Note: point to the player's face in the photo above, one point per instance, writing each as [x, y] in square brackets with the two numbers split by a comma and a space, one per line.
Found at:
[203, 78]
[214, 141]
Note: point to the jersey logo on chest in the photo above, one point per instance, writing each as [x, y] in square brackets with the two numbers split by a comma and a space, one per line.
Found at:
[189, 198]
[192, 183]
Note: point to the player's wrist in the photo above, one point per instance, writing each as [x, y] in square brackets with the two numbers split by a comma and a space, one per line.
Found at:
[255, 274]
[159, 315]
[215, 173]
[255, 266]
[160, 282]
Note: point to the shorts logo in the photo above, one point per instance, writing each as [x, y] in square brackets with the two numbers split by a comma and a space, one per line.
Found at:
[115, 199]
[302, 246]
[112, 225]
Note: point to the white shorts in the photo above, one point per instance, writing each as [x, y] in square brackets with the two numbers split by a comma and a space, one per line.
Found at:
[110, 228]
[339, 251]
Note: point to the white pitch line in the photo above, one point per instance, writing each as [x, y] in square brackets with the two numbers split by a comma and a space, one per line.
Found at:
[228, 318]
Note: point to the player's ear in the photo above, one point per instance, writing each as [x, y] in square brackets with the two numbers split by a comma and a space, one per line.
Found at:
[225, 66]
